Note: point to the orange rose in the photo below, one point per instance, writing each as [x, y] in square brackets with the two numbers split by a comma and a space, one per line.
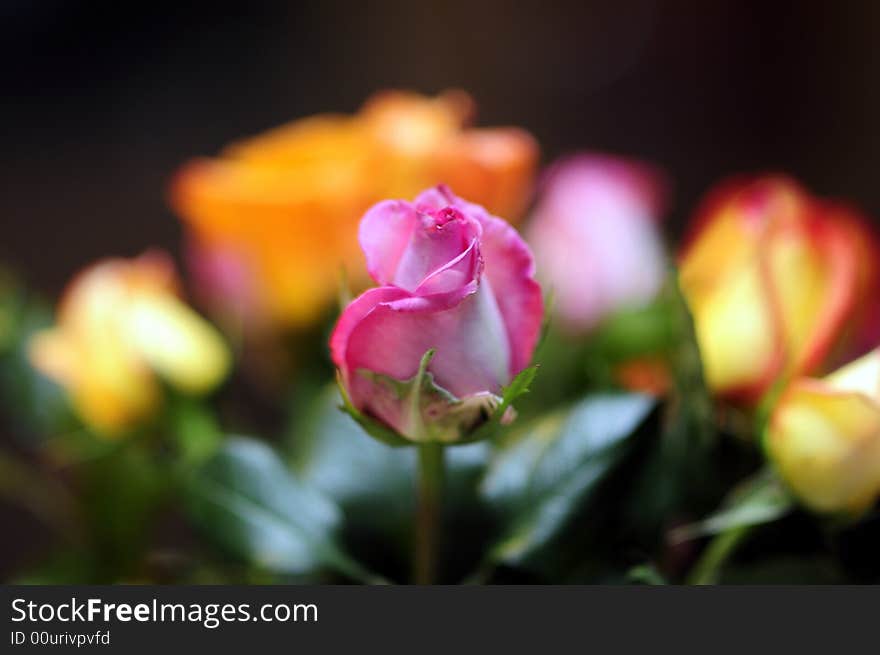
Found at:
[775, 278]
[282, 209]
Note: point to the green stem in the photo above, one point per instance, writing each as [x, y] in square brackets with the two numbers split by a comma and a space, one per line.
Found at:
[430, 491]
[708, 568]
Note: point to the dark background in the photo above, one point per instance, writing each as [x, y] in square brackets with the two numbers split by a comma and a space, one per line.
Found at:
[103, 100]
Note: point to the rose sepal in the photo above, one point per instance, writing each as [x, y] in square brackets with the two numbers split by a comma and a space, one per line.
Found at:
[435, 414]
[370, 425]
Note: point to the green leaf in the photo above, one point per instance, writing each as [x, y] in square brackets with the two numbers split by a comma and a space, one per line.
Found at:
[122, 491]
[245, 498]
[761, 499]
[645, 574]
[518, 387]
[546, 474]
[194, 428]
[330, 452]
[678, 472]
[375, 485]
[637, 331]
[38, 407]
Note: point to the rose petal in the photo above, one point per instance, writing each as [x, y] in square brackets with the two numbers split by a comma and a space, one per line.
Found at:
[439, 239]
[509, 267]
[462, 271]
[353, 314]
[384, 234]
[466, 333]
[824, 444]
[813, 274]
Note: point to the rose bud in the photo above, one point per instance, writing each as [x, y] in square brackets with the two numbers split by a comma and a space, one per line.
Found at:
[824, 437]
[774, 279]
[455, 282]
[595, 236]
[286, 203]
[120, 326]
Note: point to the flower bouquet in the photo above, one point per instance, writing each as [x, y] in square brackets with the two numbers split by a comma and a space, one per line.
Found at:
[399, 353]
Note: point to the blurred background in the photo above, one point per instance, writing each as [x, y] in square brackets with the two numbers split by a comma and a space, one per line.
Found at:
[102, 101]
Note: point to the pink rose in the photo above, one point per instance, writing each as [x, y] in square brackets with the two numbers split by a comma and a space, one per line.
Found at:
[454, 280]
[596, 239]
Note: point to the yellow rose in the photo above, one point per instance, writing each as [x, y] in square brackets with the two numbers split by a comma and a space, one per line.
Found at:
[120, 325]
[775, 278]
[824, 437]
[275, 217]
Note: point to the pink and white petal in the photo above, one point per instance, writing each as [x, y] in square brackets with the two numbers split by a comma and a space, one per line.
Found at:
[592, 206]
[437, 197]
[510, 269]
[439, 238]
[582, 180]
[354, 314]
[471, 352]
[385, 232]
[462, 271]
